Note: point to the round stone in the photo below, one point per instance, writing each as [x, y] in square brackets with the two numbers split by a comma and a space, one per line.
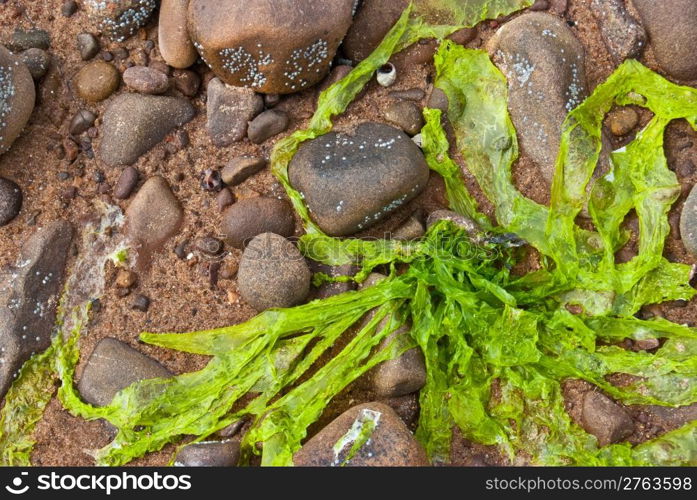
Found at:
[97, 81]
[250, 217]
[10, 201]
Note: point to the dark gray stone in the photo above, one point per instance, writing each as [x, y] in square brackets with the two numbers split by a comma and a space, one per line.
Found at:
[88, 45]
[29, 39]
[36, 61]
[10, 201]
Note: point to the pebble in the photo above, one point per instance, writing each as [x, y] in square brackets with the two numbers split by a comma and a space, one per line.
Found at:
[407, 95]
[119, 19]
[154, 214]
[126, 278]
[224, 199]
[272, 273]
[69, 8]
[17, 97]
[289, 51]
[405, 115]
[127, 182]
[622, 121]
[209, 454]
[411, 229]
[352, 181]
[113, 366]
[229, 110]
[29, 39]
[82, 121]
[271, 100]
[187, 82]
[87, 45]
[268, 124]
[332, 288]
[390, 444]
[605, 419]
[29, 295]
[10, 201]
[240, 168]
[673, 33]
[337, 73]
[145, 80]
[96, 81]
[624, 37]
[371, 23]
[250, 217]
[688, 223]
[544, 64]
[140, 303]
[134, 123]
[36, 61]
[173, 36]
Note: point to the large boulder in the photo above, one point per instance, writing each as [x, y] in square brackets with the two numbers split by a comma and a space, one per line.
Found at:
[17, 96]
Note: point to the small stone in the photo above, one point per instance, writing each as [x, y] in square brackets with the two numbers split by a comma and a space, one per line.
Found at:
[605, 419]
[82, 121]
[624, 37]
[173, 36]
[134, 123]
[160, 66]
[253, 216]
[271, 100]
[389, 443]
[96, 81]
[17, 96]
[29, 39]
[71, 149]
[119, 19]
[412, 229]
[229, 110]
[113, 366]
[10, 201]
[622, 121]
[240, 168]
[127, 182]
[352, 181]
[141, 303]
[269, 123]
[126, 278]
[402, 375]
[463, 36]
[224, 199]
[438, 100]
[187, 82]
[539, 5]
[273, 273]
[154, 215]
[88, 45]
[209, 454]
[145, 80]
[405, 115]
[69, 8]
[37, 62]
[180, 250]
[407, 95]
[459, 220]
[210, 245]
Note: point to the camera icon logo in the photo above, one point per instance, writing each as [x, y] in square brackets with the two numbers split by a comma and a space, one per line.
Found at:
[16, 488]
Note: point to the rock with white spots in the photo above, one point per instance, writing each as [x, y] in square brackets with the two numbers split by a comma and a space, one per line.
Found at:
[624, 36]
[229, 109]
[120, 19]
[17, 96]
[352, 181]
[272, 47]
[544, 64]
[29, 294]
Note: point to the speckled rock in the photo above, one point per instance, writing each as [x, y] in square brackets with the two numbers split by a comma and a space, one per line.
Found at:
[29, 295]
[544, 64]
[10, 201]
[96, 81]
[145, 80]
[17, 96]
[229, 111]
[36, 61]
[113, 366]
[134, 123]
[688, 223]
[119, 19]
[373, 20]
[209, 454]
[29, 39]
[273, 273]
[672, 28]
[352, 181]
[173, 36]
[154, 215]
[605, 419]
[390, 443]
[405, 115]
[287, 52]
[623, 35]
[250, 217]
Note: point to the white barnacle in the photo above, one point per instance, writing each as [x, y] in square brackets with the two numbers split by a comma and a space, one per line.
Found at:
[386, 74]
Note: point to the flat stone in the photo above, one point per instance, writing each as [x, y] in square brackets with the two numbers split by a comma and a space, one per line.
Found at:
[113, 366]
[672, 29]
[624, 37]
[544, 64]
[29, 294]
[352, 181]
[134, 123]
[173, 38]
[390, 443]
[119, 19]
[289, 50]
[96, 81]
[250, 217]
[145, 80]
[126, 183]
[240, 168]
[273, 273]
[17, 96]
[10, 201]
[405, 115]
[605, 419]
[268, 124]
[154, 215]
[209, 454]
[229, 111]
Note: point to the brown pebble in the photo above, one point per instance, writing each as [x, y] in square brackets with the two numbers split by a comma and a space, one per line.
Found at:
[622, 121]
[407, 95]
[268, 124]
[180, 249]
[187, 82]
[145, 80]
[126, 183]
[140, 303]
[229, 269]
[71, 149]
[82, 121]
[240, 168]
[96, 81]
[126, 278]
